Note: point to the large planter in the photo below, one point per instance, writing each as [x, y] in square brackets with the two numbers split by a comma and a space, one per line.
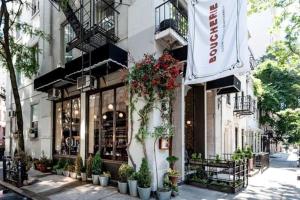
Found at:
[163, 194]
[144, 193]
[250, 164]
[83, 177]
[103, 181]
[66, 173]
[42, 168]
[122, 187]
[95, 179]
[73, 175]
[59, 171]
[132, 184]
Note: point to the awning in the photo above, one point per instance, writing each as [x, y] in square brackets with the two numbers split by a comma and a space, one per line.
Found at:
[226, 85]
[102, 61]
[53, 79]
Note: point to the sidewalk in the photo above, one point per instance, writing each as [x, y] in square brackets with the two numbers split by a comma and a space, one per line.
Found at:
[278, 182]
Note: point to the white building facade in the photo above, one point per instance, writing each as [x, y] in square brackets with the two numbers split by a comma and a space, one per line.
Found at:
[71, 121]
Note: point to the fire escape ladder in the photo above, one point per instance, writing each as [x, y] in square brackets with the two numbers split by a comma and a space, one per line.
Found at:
[90, 33]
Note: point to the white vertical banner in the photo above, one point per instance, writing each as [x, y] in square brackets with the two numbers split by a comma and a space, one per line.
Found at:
[218, 39]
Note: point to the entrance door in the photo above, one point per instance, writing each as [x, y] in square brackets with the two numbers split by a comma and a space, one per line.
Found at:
[195, 121]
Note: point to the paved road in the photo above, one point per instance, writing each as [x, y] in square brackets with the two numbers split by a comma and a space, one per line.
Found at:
[276, 183]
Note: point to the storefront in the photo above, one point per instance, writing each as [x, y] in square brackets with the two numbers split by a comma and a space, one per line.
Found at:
[93, 118]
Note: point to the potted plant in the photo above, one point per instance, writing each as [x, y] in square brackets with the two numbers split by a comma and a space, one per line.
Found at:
[173, 176]
[124, 172]
[196, 158]
[66, 172]
[83, 173]
[172, 160]
[89, 164]
[104, 178]
[96, 168]
[42, 166]
[71, 169]
[165, 192]
[144, 181]
[78, 166]
[59, 167]
[132, 184]
[249, 155]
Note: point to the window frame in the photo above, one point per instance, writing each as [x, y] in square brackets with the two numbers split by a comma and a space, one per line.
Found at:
[34, 124]
[35, 7]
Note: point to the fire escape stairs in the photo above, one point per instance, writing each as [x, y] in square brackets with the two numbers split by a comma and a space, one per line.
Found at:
[93, 36]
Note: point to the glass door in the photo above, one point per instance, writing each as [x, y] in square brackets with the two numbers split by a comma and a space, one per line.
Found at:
[108, 124]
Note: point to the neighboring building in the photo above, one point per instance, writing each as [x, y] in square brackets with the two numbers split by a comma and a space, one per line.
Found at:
[2, 110]
[69, 121]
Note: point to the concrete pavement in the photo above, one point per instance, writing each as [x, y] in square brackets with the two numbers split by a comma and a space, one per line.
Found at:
[276, 183]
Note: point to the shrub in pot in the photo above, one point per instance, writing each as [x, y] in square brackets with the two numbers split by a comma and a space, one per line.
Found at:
[71, 169]
[89, 164]
[172, 160]
[78, 166]
[66, 172]
[96, 168]
[132, 184]
[144, 181]
[83, 173]
[43, 162]
[59, 167]
[165, 192]
[173, 176]
[124, 172]
[104, 178]
[249, 155]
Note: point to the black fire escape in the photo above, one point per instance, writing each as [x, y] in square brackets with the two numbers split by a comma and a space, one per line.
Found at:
[244, 105]
[94, 22]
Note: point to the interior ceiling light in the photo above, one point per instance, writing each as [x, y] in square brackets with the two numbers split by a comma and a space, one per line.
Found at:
[104, 116]
[110, 106]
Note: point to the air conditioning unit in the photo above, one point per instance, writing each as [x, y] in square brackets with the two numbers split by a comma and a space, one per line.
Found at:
[11, 113]
[54, 94]
[86, 82]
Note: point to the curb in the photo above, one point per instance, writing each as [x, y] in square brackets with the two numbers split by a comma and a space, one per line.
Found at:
[22, 192]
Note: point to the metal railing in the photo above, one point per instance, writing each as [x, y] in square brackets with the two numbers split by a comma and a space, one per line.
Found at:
[14, 171]
[221, 175]
[167, 15]
[244, 105]
[262, 161]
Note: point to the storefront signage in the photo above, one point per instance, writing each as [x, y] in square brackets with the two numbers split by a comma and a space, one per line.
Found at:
[218, 40]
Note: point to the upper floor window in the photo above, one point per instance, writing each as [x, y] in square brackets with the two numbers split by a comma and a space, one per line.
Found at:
[35, 6]
[228, 99]
[34, 116]
[68, 36]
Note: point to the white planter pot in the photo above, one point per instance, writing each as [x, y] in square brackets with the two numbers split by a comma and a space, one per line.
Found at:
[59, 171]
[144, 193]
[122, 187]
[95, 179]
[66, 173]
[132, 184]
[73, 175]
[103, 180]
[164, 195]
[83, 177]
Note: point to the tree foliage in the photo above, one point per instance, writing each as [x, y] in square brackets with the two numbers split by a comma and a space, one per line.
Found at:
[277, 77]
[17, 56]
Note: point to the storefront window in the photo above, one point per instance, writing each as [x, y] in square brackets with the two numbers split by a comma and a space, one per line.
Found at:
[67, 127]
[108, 130]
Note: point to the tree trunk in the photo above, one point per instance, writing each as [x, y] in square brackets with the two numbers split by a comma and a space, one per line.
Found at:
[13, 81]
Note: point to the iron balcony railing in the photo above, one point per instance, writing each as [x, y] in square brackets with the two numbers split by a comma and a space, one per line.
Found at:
[244, 105]
[167, 15]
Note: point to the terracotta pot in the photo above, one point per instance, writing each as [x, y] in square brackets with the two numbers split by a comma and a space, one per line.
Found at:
[250, 164]
[42, 168]
[173, 179]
